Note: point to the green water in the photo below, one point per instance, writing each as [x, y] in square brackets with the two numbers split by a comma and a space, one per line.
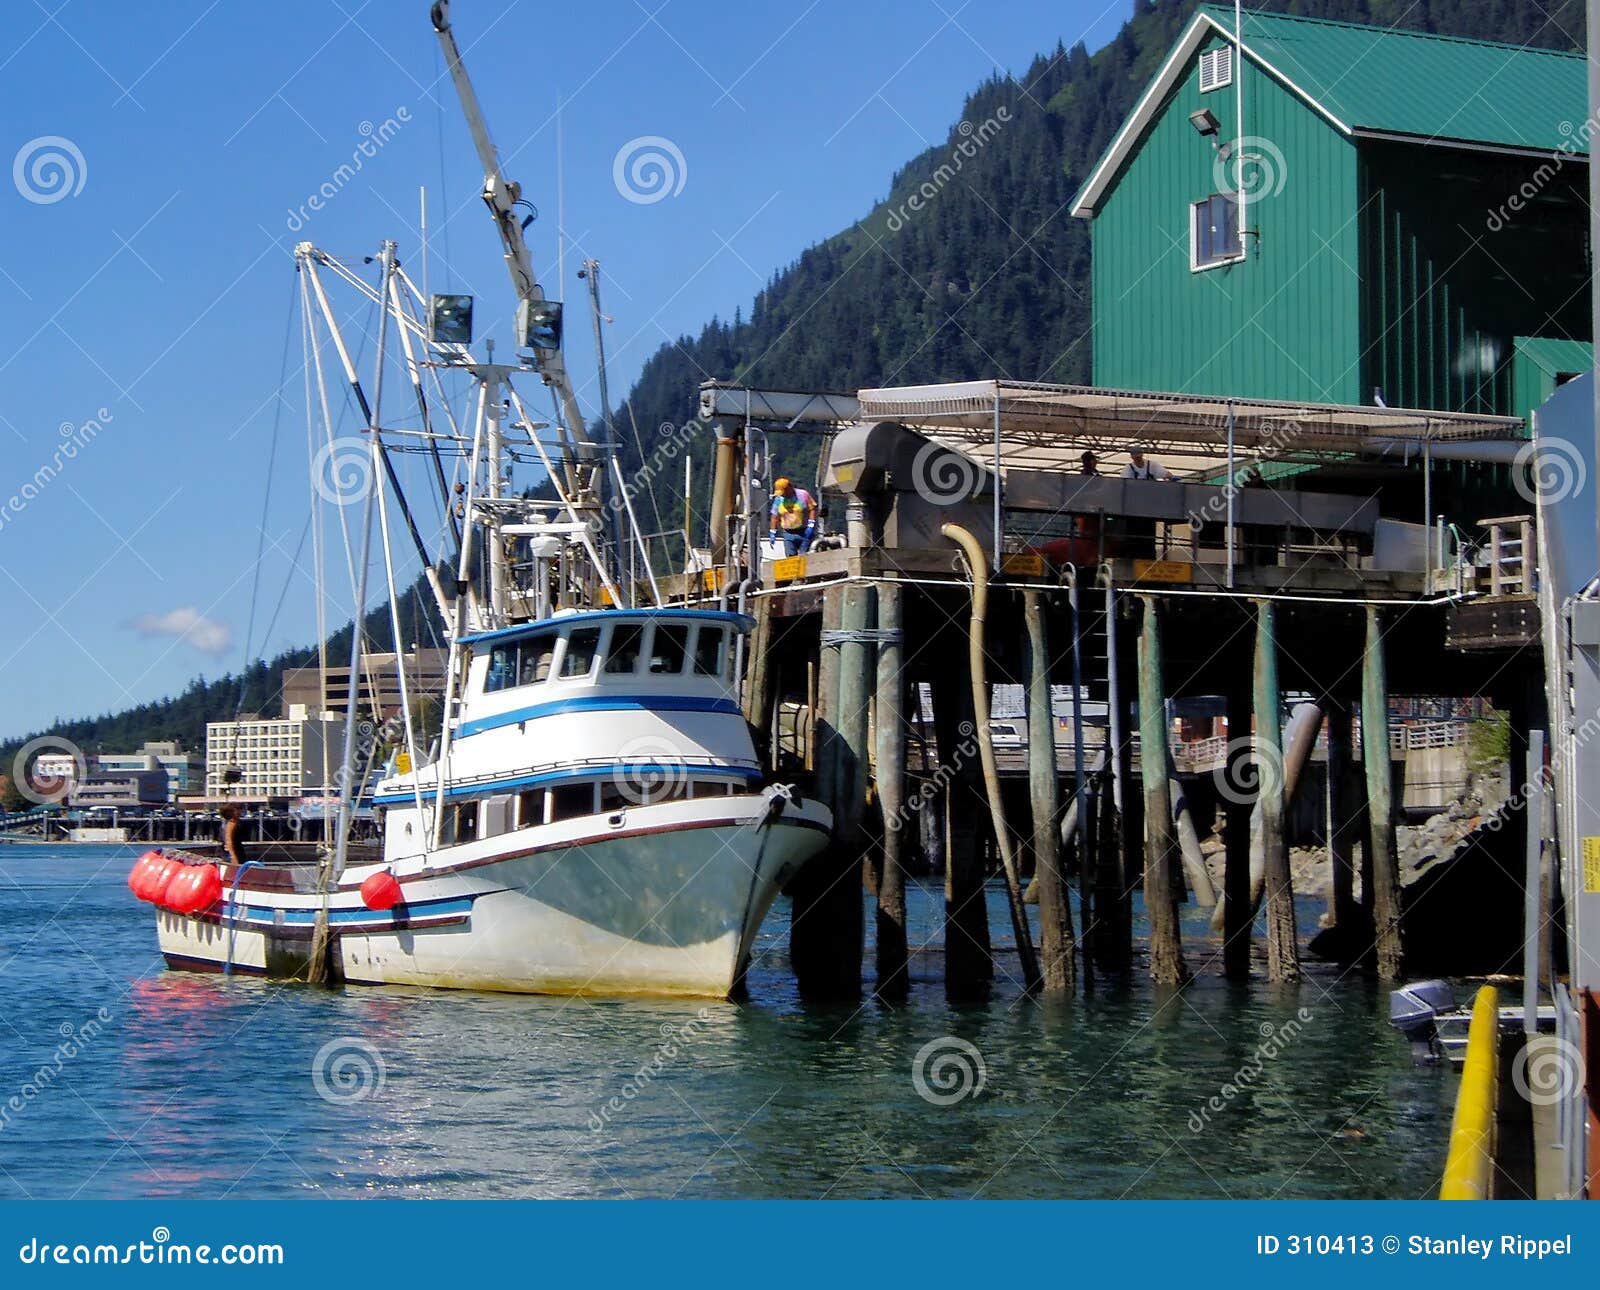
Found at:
[183, 1085]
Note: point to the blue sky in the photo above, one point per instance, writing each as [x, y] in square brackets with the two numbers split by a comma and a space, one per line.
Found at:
[148, 278]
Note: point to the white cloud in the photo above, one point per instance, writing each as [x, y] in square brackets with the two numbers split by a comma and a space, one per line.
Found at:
[205, 634]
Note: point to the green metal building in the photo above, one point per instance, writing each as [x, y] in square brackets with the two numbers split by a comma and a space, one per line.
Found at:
[1342, 213]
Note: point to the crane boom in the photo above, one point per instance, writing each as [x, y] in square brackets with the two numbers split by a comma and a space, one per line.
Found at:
[501, 195]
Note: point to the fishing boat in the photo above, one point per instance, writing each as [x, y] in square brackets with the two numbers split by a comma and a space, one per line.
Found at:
[591, 815]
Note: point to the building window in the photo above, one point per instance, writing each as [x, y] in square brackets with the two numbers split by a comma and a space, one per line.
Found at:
[1214, 231]
[1216, 68]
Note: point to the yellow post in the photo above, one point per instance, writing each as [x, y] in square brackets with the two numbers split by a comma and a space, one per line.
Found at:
[1470, 1168]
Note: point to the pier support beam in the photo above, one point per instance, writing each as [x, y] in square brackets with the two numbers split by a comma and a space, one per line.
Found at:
[1119, 861]
[825, 928]
[1166, 947]
[893, 980]
[1283, 950]
[1342, 822]
[1057, 966]
[1385, 863]
[968, 959]
[1238, 914]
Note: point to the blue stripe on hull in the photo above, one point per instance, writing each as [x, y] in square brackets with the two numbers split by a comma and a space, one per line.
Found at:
[599, 703]
[748, 774]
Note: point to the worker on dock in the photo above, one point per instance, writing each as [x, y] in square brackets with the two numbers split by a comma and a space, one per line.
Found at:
[793, 517]
[1142, 467]
[232, 839]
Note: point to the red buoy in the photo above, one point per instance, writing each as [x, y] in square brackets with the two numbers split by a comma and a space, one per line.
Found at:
[193, 888]
[380, 891]
[153, 878]
[136, 875]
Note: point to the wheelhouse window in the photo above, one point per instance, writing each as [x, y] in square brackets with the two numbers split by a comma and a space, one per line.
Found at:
[1214, 231]
[530, 808]
[708, 651]
[519, 663]
[502, 668]
[627, 643]
[667, 648]
[570, 801]
[582, 646]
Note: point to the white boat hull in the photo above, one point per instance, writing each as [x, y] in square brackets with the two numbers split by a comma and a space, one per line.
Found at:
[657, 900]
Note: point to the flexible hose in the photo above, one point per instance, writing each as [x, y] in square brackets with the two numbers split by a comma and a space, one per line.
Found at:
[978, 564]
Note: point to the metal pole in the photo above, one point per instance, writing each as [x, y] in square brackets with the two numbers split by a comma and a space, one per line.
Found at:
[996, 557]
[1533, 813]
[1427, 505]
[1233, 484]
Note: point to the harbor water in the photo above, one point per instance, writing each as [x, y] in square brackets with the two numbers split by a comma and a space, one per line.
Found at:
[119, 1078]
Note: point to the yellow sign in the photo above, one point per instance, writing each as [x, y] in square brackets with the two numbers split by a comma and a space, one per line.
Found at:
[604, 596]
[402, 763]
[1162, 571]
[790, 569]
[712, 579]
[1031, 566]
[1591, 865]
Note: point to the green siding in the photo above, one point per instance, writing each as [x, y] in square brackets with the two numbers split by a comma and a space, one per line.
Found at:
[1447, 284]
[1539, 366]
[1285, 323]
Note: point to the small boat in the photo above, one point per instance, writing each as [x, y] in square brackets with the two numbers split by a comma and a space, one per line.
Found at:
[592, 817]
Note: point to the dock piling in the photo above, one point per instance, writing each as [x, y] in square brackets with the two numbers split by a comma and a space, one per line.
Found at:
[1283, 951]
[1056, 948]
[1166, 947]
[1385, 866]
[893, 980]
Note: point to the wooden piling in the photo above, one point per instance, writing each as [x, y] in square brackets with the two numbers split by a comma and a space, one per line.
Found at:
[1166, 946]
[1117, 868]
[968, 959]
[1385, 863]
[1283, 949]
[1340, 825]
[1237, 913]
[825, 928]
[1057, 965]
[893, 979]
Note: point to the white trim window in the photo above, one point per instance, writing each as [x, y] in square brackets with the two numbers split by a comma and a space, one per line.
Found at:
[1214, 231]
[1216, 69]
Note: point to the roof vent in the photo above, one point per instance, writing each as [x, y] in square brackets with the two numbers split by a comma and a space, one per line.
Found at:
[1216, 68]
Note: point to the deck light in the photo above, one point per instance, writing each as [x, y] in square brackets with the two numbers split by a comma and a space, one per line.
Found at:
[1204, 123]
[539, 324]
[450, 320]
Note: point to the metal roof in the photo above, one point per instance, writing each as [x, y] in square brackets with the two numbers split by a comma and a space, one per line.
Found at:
[1370, 81]
[1438, 88]
[1556, 357]
[1047, 427]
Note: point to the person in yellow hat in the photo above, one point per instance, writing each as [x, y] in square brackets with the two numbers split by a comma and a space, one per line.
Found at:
[793, 516]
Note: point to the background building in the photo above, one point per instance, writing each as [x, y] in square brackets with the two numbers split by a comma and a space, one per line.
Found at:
[1414, 211]
[183, 770]
[303, 687]
[255, 758]
[119, 790]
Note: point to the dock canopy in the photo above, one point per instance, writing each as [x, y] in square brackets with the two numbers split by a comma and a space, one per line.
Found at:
[1047, 427]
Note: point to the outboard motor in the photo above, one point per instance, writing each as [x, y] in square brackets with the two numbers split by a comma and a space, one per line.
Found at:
[1412, 1010]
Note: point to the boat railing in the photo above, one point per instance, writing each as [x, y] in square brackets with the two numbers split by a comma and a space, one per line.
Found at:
[581, 764]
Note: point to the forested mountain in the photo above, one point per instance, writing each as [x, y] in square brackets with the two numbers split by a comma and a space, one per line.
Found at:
[989, 277]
